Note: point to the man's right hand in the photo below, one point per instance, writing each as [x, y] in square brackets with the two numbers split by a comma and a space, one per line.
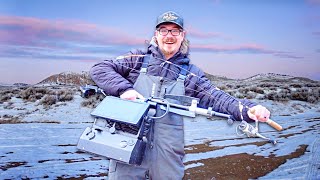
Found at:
[131, 95]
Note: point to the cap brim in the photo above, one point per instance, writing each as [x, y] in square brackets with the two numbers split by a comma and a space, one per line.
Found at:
[169, 22]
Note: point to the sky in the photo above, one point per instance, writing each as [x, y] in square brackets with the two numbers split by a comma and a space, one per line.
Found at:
[232, 38]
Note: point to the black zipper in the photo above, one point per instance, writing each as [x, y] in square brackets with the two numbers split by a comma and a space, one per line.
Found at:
[161, 68]
[160, 86]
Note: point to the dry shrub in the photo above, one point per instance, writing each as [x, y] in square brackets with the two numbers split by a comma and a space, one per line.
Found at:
[265, 85]
[5, 98]
[7, 94]
[92, 101]
[296, 85]
[300, 96]
[46, 96]
[9, 119]
[48, 100]
[282, 95]
[250, 95]
[222, 87]
[244, 90]
[239, 95]
[32, 93]
[41, 90]
[59, 96]
[273, 88]
[64, 95]
[230, 86]
[25, 94]
[38, 95]
[258, 90]
[311, 84]
[311, 95]
[5, 91]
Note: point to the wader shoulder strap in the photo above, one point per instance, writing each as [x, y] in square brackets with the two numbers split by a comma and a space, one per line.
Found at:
[183, 72]
[183, 68]
[145, 63]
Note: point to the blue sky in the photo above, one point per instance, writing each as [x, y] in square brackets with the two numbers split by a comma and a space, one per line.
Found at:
[233, 38]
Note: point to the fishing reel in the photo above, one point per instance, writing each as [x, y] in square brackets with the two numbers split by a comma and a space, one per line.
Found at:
[252, 131]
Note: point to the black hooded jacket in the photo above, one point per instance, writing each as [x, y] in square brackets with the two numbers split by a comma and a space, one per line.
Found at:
[118, 75]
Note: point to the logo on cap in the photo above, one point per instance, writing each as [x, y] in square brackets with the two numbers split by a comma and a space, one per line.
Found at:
[169, 17]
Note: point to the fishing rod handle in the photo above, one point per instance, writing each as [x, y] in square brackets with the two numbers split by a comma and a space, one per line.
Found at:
[274, 124]
[270, 122]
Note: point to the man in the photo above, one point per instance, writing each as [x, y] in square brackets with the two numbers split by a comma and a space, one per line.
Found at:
[164, 68]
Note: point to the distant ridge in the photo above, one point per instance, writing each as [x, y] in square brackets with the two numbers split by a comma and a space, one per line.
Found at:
[72, 78]
[217, 77]
[68, 78]
[269, 75]
[277, 77]
[21, 84]
[261, 76]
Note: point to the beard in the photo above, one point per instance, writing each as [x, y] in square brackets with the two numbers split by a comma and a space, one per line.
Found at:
[170, 51]
[167, 52]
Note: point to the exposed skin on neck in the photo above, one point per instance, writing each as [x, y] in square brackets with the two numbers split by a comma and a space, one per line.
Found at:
[169, 44]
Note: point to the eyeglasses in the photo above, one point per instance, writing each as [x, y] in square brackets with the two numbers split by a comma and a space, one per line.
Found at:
[165, 31]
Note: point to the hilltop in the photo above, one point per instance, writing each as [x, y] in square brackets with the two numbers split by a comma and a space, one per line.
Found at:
[68, 78]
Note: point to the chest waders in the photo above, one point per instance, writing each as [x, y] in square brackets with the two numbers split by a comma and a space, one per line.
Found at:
[164, 153]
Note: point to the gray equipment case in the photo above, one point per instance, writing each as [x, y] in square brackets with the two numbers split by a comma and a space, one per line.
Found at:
[118, 131]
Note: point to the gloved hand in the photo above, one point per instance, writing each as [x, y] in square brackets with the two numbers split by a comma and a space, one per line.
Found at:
[131, 94]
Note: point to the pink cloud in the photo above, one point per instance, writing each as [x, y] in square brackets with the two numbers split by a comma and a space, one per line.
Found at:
[316, 33]
[59, 34]
[313, 2]
[36, 32]
[249, 48]
[230, 47]
[200, 34]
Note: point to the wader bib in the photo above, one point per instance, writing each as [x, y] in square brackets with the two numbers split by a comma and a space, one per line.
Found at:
[164, 153]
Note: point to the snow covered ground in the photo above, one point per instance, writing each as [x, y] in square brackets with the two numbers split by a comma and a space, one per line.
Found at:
[41, 143]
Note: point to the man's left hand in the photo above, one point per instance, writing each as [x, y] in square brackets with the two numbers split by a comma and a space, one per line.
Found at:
[259, 113]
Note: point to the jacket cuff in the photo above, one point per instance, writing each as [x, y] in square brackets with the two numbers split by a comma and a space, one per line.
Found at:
[125, 90]
[245, 114]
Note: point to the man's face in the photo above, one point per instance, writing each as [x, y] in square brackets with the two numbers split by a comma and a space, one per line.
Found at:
[169, 42]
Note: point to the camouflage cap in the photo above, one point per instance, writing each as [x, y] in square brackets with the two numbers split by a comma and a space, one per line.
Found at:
[170, 17]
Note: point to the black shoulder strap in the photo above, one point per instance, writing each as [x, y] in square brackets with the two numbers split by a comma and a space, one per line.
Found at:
[183, 71]
[145, 63]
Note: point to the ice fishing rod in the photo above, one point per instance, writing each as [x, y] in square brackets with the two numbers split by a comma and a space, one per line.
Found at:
[191, 110]
[269, 121]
